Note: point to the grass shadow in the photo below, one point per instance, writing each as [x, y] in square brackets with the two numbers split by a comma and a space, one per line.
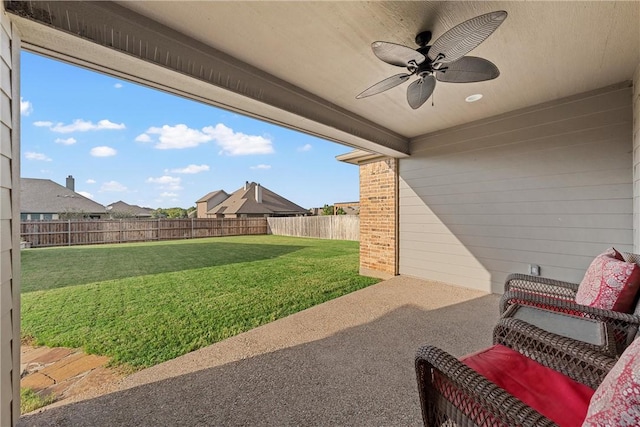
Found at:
[51, 268]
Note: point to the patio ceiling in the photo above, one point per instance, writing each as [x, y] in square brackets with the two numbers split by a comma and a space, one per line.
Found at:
[301, 64]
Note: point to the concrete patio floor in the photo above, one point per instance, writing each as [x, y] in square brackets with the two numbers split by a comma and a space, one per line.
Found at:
[345, 362]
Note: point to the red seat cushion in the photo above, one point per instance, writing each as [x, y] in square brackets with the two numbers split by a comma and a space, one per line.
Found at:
[549, 392]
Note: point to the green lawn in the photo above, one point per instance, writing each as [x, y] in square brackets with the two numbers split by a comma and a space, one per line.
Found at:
[145, 303]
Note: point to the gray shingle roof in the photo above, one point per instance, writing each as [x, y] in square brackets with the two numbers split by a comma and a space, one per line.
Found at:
[45, 196]
[244, 202]
[136, 210]
[209, 195]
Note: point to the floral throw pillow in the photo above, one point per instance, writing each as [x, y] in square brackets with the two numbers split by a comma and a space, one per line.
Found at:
[617, 401]
[609, 283]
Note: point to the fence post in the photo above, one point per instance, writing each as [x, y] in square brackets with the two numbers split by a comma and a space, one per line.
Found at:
[69, 231]
[192, 236]
[331, 227]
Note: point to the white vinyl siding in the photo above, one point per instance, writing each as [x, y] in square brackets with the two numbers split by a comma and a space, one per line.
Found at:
[9, 224]
[549, 185]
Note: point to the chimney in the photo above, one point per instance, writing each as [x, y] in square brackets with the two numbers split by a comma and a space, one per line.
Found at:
[71, 183]
[258, 193]
[246, 185]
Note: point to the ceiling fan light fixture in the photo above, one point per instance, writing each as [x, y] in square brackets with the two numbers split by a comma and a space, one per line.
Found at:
[445, 60]
[473, 98]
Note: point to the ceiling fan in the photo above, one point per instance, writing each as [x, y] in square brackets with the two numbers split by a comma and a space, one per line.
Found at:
[444, 60]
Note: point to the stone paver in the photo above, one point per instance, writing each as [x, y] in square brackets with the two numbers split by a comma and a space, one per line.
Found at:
[37, 381]
[64, 372]
[28, 354]
[73, 366]
[53, 355]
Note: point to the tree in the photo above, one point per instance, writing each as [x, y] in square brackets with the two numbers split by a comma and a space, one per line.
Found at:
[76, 215]
[340, 211]
[121, 214]
[159, 213]
[327, 210]
[177, 213]
[170, 213]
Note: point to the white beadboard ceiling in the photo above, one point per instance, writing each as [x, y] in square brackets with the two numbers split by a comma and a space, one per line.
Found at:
[544, 50]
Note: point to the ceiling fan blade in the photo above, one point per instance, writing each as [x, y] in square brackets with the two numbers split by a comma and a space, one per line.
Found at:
[468, 69]
[385, 84]
[419, 91]
[397, 54]
[464, 37]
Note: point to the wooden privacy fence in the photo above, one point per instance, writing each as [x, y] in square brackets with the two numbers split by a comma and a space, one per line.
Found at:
[90, 232]
[337, 227]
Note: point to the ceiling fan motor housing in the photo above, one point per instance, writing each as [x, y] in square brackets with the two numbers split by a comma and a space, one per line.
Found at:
[423, 38]
[443, 60]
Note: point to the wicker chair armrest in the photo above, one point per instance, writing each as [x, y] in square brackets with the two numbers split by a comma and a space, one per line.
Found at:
[475, 391]
[573, 358]
[519, 297]
[625, 326]
[542, 285]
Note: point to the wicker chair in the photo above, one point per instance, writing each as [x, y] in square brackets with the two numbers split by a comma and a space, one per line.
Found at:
[452, 394]
[560, 296]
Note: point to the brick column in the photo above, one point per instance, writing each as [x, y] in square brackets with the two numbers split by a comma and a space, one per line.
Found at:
[379, 218]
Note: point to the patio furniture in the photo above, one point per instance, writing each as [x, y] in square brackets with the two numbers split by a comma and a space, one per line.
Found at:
[528, 378]
[560, 296]
[592, 332]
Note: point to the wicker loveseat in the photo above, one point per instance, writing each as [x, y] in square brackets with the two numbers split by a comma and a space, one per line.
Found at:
[453, 394]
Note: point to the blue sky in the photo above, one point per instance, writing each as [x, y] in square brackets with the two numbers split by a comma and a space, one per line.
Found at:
[122, 141]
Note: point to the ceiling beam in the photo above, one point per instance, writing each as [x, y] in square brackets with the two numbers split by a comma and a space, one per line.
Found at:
[109, 38]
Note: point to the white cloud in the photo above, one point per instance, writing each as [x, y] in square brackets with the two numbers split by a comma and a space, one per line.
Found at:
[261, 167]
[80, 125]
[175, 137]
[165, 179]
[86, 194]
[91, 181]
[167, 182]
[232, 143]
[103, 151]
[113, 186]
[191, 169]
[305, 147]
[167, 194]
[118, 85]
[238, 143]
[31, 155]
[26, 107]
[68, 141]
[143, 137]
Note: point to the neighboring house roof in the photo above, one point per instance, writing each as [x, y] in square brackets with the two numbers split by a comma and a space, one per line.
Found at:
[135, 210]
[349, 208]
[243, 201]
[46, 196]
[210, 195]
